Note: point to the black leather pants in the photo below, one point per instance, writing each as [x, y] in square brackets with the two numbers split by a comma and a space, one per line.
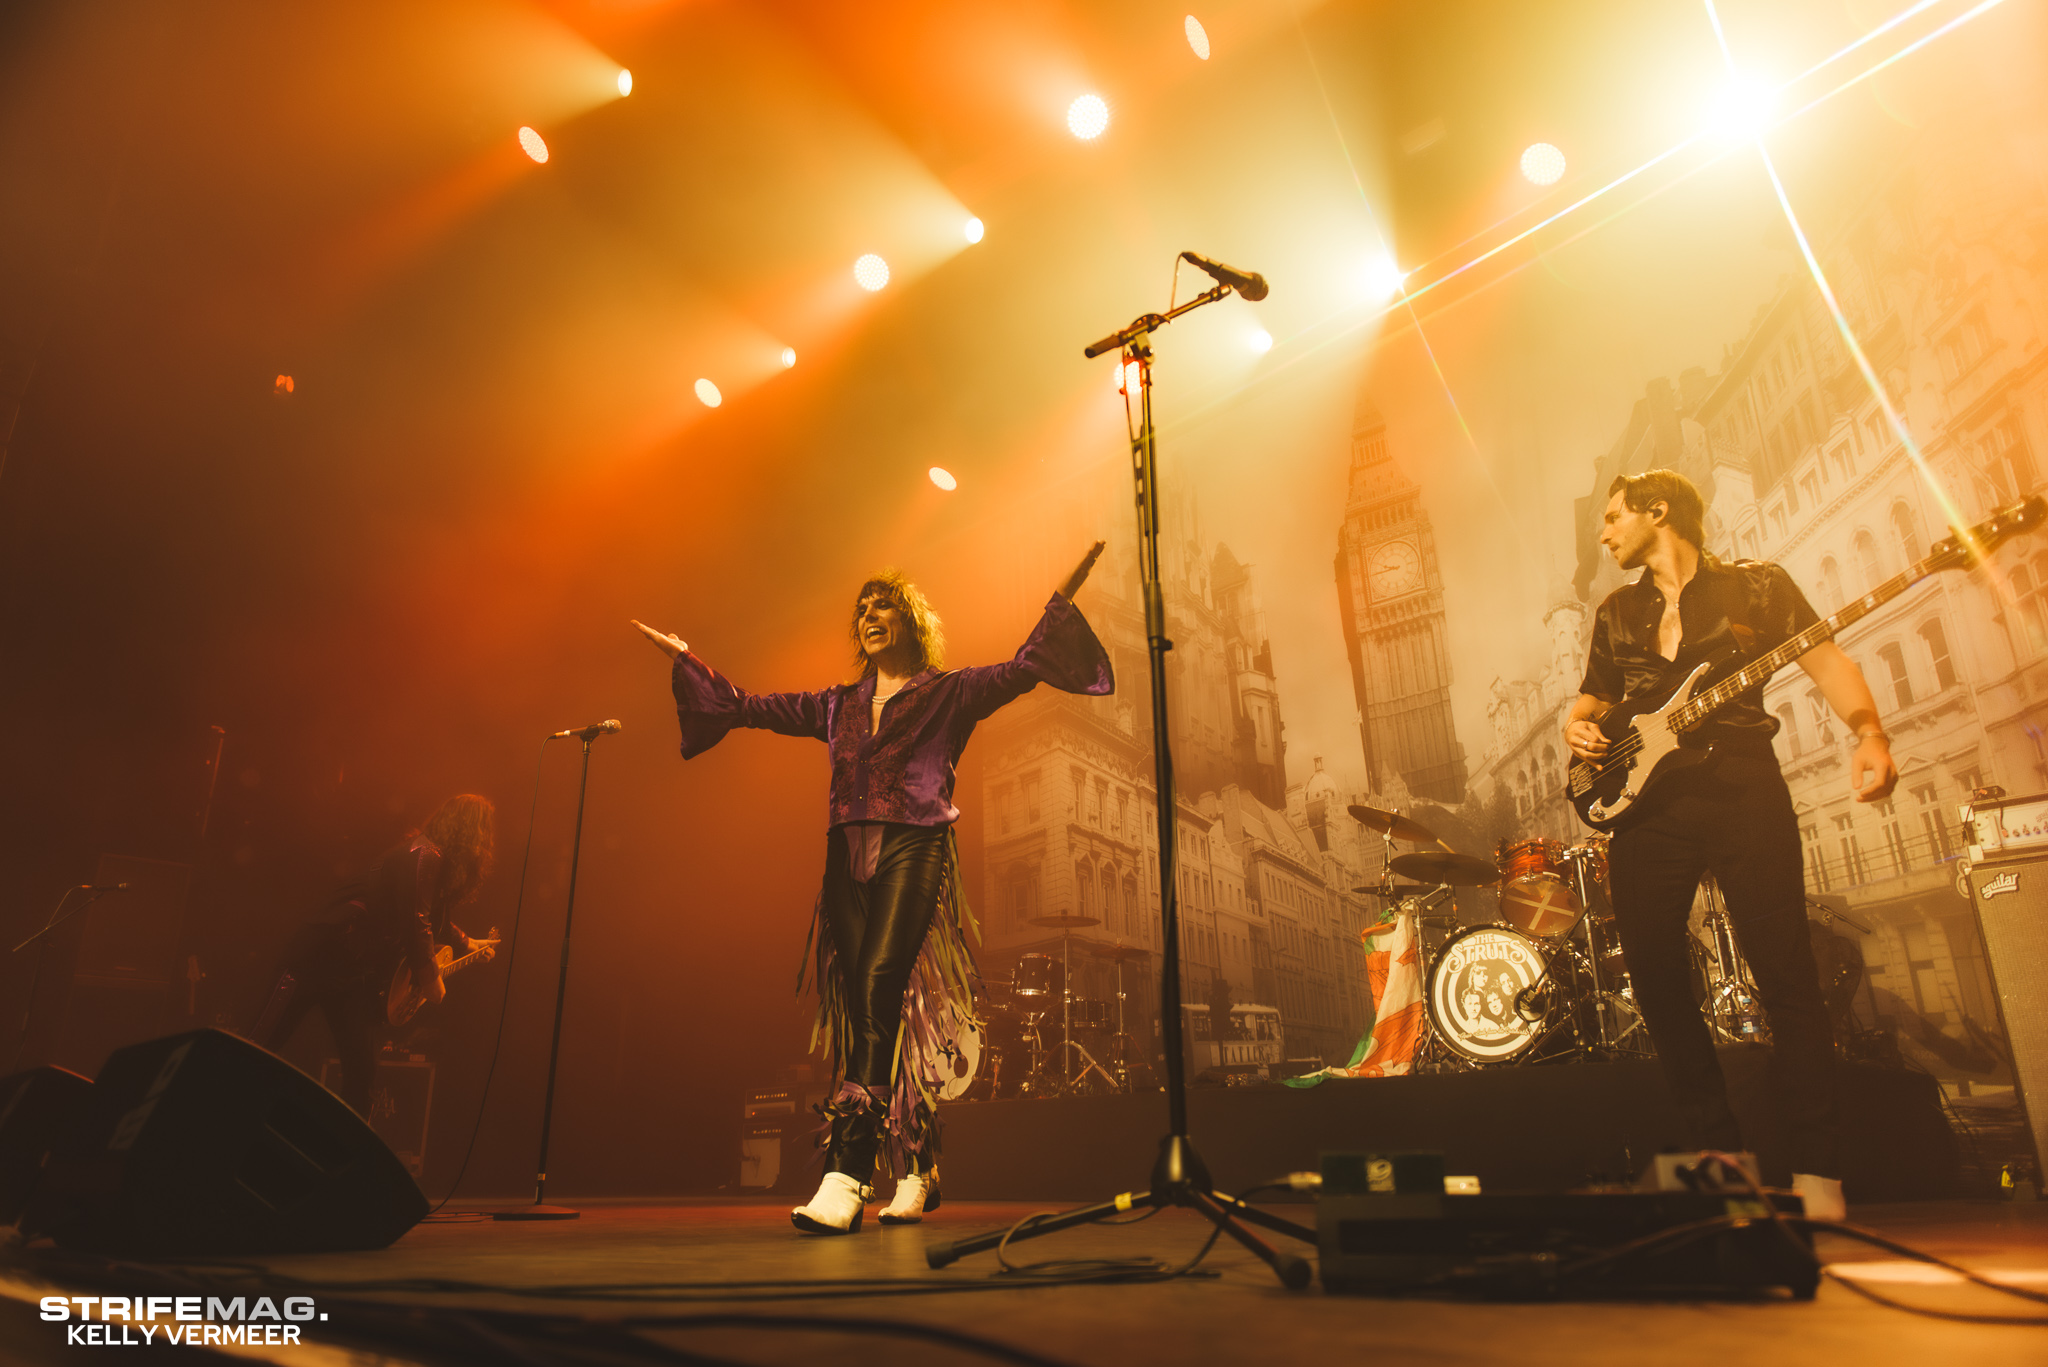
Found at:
[877, 928]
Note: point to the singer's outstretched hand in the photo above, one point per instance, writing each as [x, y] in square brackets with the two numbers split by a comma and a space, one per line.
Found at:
[1078, 577]
[668, 645]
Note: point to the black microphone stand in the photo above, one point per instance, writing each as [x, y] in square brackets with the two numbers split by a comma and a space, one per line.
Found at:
[1179, 1177]
[540, 1209]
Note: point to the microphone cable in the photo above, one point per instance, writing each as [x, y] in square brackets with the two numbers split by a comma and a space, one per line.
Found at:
[505, 1001]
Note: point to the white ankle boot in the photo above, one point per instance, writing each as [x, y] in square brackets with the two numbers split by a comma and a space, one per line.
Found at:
[836, 1209]
[915, 1195]
[1822, 1196]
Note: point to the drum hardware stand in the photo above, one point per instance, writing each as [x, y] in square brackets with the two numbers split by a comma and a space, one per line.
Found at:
[1731, 993]
[1179, 1177]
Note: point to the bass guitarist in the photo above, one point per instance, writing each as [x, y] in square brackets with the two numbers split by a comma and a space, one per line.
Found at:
[1730, 816]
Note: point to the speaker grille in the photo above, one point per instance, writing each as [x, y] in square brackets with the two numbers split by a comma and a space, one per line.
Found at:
[2012, 915]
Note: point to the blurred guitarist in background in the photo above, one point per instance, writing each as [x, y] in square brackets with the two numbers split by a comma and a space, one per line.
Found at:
[1731, 816]
[398, 915]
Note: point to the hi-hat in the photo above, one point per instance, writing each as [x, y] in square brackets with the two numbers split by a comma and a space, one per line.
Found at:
[1393, 823]
[1122, 954]
[1459, 870]
[1074, 922]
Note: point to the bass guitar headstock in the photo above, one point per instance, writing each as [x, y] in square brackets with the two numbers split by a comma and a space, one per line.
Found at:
[1964, 550]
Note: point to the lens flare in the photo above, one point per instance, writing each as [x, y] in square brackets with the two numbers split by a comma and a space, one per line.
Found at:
[943, 477]
[871, 272]
[788, 357]
[1383, 278]
[972, 230]
[708, 395]
[625, 82]
[1542, 164]
[1198, 37]
[1743, 111]
[1260, 341]
[1088, 117]
[533, 144]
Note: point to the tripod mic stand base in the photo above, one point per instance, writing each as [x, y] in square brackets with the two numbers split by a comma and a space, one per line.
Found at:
[536, 1212]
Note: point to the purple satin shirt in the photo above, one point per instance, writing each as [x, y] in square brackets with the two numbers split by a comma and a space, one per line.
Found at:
[904, 772]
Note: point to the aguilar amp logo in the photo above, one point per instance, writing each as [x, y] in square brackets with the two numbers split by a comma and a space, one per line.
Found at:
[2009, 881]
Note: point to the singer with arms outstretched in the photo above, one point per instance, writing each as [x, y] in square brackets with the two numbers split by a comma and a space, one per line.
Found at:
[890, 932]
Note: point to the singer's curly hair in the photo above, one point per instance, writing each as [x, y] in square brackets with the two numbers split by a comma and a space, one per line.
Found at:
[925, 628]
[464, 829]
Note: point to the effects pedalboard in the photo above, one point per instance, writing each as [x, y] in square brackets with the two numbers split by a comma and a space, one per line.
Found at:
[1387, 1226]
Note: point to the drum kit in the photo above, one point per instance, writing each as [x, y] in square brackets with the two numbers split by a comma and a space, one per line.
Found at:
[1043, 1038]
[1543, 982]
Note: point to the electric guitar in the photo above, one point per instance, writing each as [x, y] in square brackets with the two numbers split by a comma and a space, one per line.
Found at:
[403, 999]
[1650, 735]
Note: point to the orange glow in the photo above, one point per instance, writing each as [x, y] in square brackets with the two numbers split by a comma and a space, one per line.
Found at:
[283, 387]
[533, 144]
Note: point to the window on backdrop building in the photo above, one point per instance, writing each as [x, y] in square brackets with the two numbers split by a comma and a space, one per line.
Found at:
[1816, 858]
[1933, 825]
[1020, 897]
[1867, 560]
[1894, 838]
[1906, 528]
[1109, 885]
[1854, 870]
[1084, 888]
[1830, 586]
[1936, 640]
[1005, 794]
[1788, 726]
[1131, 918]
[2030, 589]
[1894, 658]
[1031, 797]
[1823, 716]
[2010, 463]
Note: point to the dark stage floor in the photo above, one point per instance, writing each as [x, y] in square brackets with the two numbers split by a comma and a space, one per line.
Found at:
[1236, 1316]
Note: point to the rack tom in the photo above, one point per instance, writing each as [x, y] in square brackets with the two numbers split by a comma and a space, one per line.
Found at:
[1536, 892]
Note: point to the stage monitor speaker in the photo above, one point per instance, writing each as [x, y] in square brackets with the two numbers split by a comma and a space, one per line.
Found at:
[36, 1107]
[203, 1143]
[2008, 882]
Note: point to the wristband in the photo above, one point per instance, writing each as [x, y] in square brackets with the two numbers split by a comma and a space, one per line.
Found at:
[1882, 735]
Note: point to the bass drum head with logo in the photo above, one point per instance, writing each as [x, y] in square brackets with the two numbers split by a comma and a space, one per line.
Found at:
[970, 1042]
[1472, 991]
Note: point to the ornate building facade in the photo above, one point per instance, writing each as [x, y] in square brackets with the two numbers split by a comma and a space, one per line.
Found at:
[1391, 600]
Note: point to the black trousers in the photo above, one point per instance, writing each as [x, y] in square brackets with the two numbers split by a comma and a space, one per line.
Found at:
[319, 972]
[877, 928]
[1731, 817]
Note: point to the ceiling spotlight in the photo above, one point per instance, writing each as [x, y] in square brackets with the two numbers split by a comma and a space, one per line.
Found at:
[1383, 278]
[1198, 37]
[1542, 164]
[871, 272]
[788, 357]
[708, 395]
[1087, 117]
[943, 477]
[973, 229]
[625, 82]
[283, 386]
[1260, 341]
[533, 144]
[1742, 112]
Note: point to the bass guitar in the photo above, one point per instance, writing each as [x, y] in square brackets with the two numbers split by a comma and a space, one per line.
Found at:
[1651, 735]
[404, 998]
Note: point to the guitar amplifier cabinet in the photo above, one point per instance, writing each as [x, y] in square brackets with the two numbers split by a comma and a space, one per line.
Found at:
[2008, 885]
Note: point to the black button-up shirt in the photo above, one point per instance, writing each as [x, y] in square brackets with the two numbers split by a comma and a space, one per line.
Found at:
[1727, 609]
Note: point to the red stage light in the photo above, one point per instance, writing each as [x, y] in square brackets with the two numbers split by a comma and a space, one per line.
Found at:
[283, 386]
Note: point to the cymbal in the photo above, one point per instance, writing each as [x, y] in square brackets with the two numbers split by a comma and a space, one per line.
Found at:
[1393, 823]
[1074, 922]
[1122, 954]
[1459, 870]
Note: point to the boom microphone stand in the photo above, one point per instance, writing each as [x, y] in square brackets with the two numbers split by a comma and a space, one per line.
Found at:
[1179, 1177]
[540, 1209]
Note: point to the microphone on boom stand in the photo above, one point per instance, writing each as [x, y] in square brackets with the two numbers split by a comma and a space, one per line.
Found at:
[590, 732]
[1250, 284]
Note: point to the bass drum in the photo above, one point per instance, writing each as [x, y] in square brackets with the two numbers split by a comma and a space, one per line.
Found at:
[970, 1045]
[1472, 990]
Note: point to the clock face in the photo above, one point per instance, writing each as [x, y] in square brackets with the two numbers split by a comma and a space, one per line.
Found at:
[1394, 569]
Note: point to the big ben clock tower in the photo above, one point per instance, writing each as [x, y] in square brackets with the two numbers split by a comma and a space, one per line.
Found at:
[1392, 601]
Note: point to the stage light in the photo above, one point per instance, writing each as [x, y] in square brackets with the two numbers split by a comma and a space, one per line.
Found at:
[1542, 164]
[1198, 37]
[283, 386]
[1742, 111]
[1126, 377]
[625, 82]
[943, 477]
[1260, 341]
[788, 357]
[1087, 117]
[533, 144]
[871, 272]
[708, 395]
[1383, 278]
[973, 230]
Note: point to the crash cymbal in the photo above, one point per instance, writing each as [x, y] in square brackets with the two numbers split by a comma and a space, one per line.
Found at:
[1459, 870]
[1393, 823]
[1122, 954]
[1074, 922]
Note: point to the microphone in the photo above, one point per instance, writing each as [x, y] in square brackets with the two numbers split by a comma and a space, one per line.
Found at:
[590, 732]
[103, 887]
[1250, 284]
